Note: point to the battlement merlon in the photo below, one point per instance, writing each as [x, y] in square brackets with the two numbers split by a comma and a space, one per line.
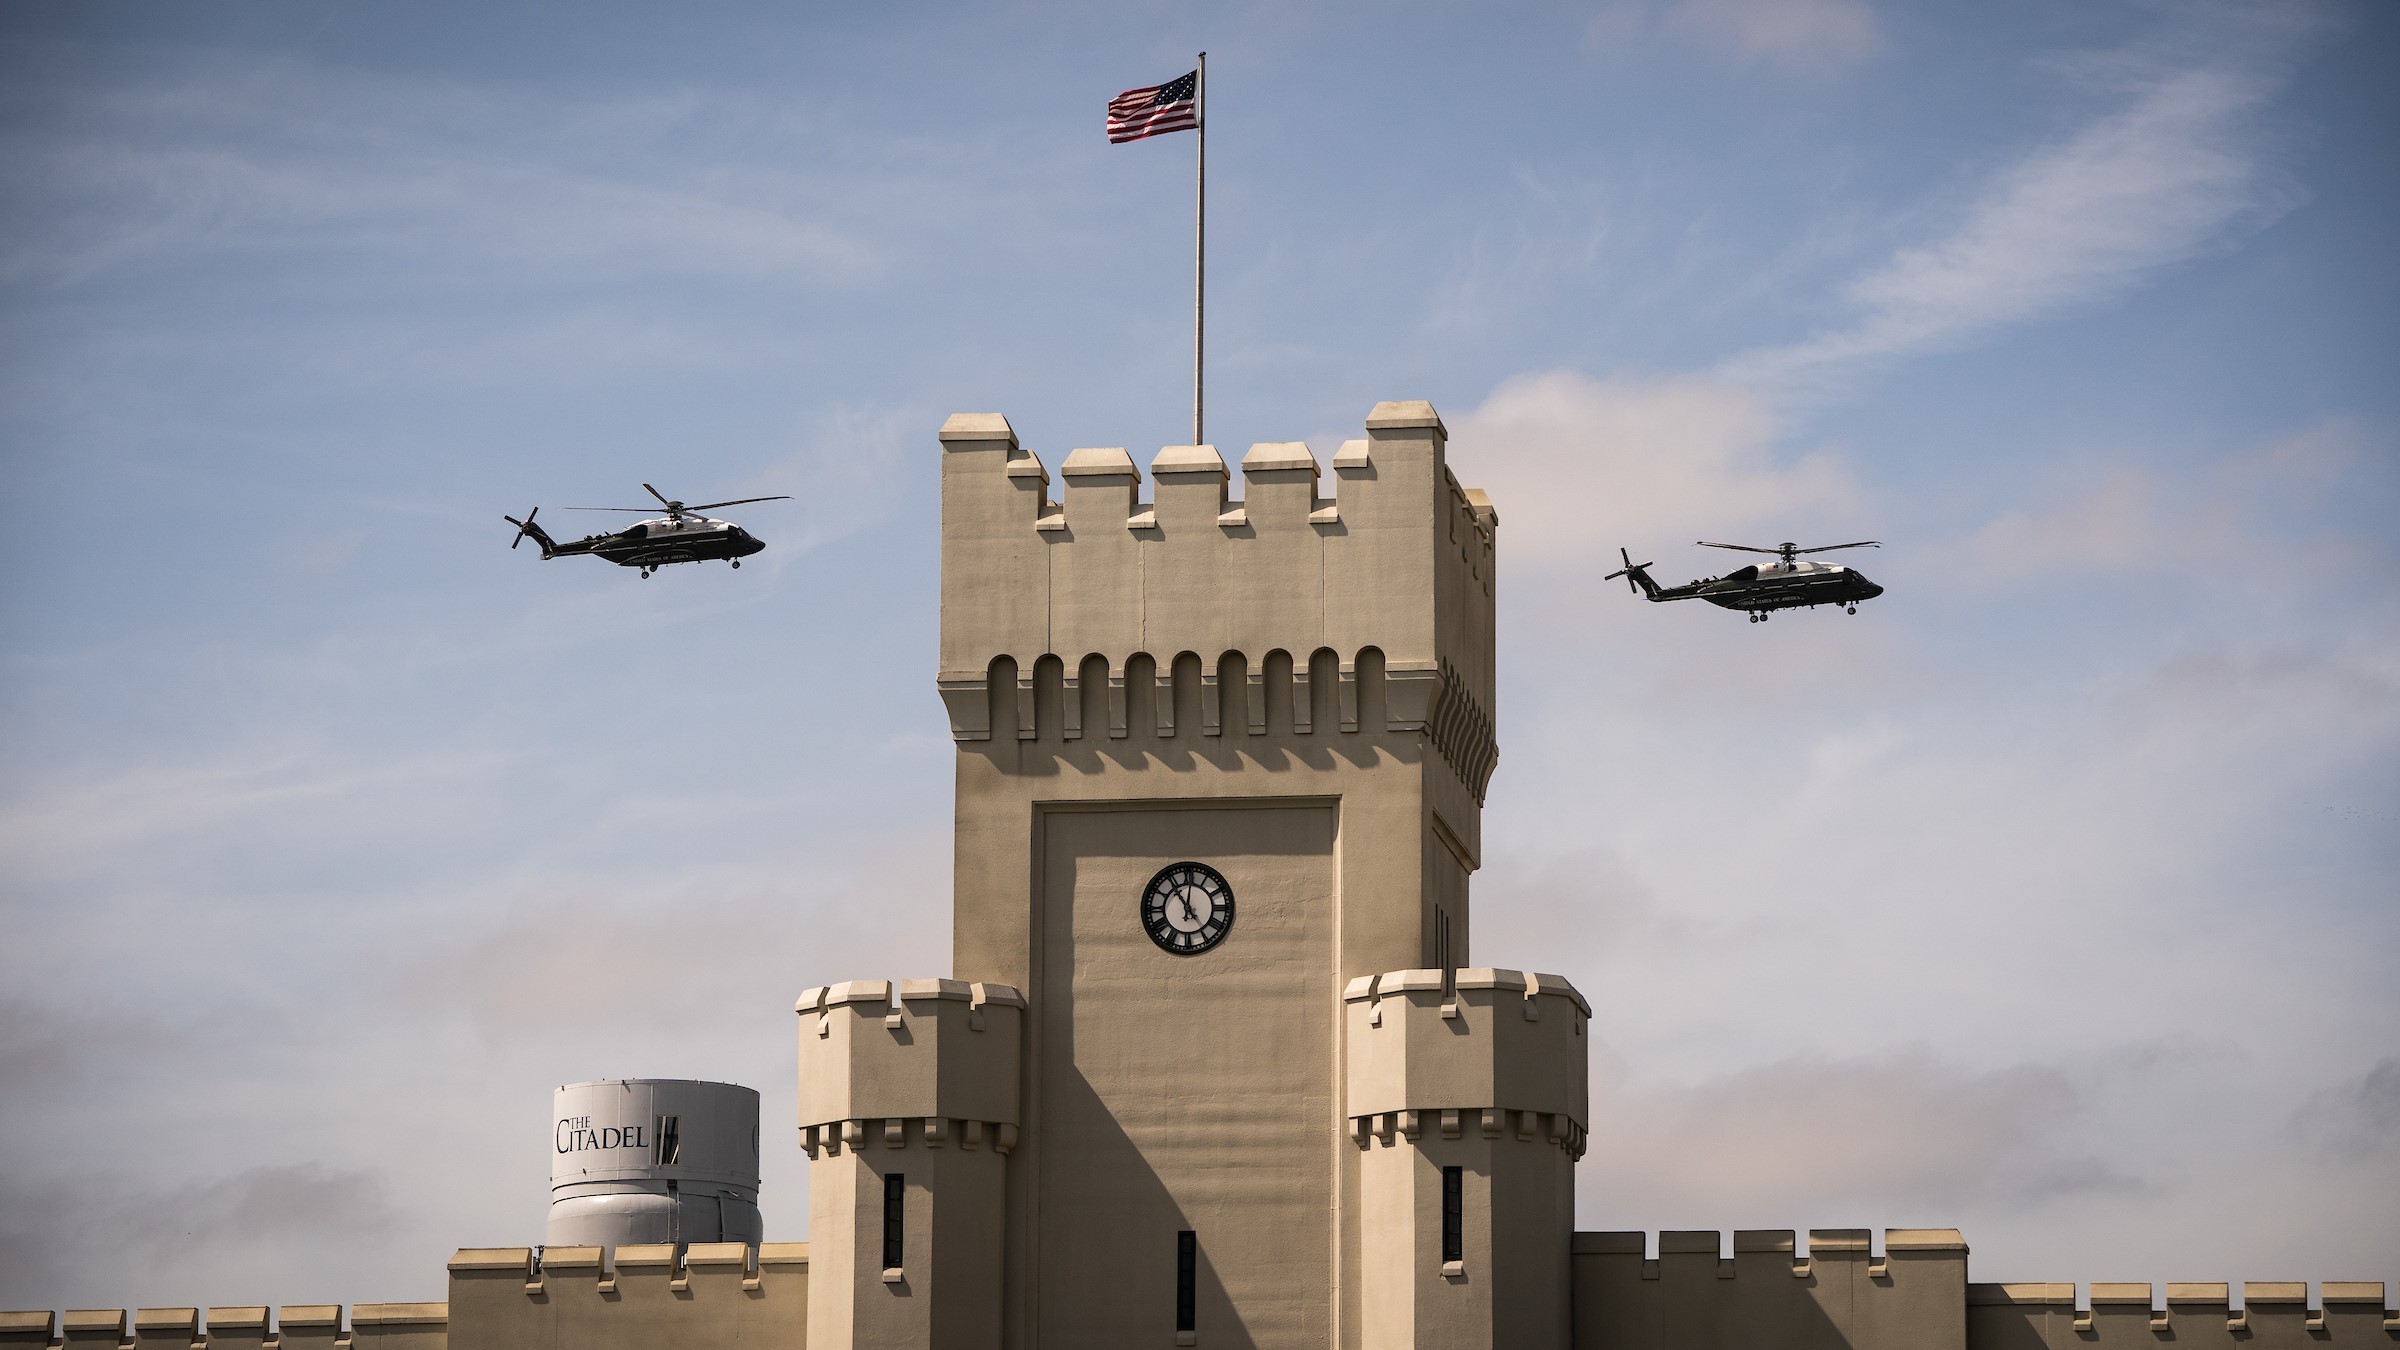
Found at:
[1399, 558]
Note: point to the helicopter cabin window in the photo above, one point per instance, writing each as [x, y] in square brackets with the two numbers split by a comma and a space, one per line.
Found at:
[1742, 574]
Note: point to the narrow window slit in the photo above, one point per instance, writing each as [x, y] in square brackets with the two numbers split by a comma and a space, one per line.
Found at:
[895, 1197]
[1187, 1281]
[1454, 1214]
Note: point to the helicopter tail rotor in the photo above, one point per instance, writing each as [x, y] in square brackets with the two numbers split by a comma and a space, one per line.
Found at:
[526, 527]
[1637, 576]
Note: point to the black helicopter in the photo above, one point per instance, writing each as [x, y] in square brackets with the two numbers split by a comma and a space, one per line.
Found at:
[681, 535]
[1786, 583]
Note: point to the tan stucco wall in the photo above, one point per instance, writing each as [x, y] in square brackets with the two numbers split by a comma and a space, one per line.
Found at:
[1837, 1297]
[1139, 1136]
[947, 1288]
[719, 1295]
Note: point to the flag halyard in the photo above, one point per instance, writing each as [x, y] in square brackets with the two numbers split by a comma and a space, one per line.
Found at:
[1155, 110]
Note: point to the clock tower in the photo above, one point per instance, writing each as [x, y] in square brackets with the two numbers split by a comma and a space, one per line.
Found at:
[1229, 1077]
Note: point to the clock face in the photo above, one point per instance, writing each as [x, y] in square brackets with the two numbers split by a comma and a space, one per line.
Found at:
[1187, 908]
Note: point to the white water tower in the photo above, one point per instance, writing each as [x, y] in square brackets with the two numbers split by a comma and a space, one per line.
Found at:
[635, 1160]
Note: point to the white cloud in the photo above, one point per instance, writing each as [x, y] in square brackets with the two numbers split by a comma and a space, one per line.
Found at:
[2117, 517]
[109, 1240]
[575, 938]
[1815, 1141]
[2177, 173]
[1579, 466]
[2116, 523]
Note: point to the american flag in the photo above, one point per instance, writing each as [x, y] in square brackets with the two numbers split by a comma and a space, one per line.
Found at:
[1156, 110]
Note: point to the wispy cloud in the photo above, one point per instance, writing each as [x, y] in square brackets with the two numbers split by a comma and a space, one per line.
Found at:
[267, 157]
[2355, 1121]
[118, 1237]
[117, 823]
[44, 1047]
[458, 200]
[2181, 169]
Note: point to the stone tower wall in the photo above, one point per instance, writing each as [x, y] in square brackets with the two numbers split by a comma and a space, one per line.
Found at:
[1295, 687]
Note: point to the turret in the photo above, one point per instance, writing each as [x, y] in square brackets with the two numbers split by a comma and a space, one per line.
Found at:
[1467, 1101]
[907, 1112]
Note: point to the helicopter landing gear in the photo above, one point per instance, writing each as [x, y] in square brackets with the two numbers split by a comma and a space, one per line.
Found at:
[645, 574]
[1853, 609]
[737, 566]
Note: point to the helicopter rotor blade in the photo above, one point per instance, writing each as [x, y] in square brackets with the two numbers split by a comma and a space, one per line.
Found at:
[668, 502]
[637, 510]
[738, 501]
[522, 525]
[1626, 572]
[1828, 548]
[1743, 548]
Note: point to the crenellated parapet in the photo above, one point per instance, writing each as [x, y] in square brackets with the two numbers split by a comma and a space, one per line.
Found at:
[1767, 1292]
[1500, 1053]
[2275, 1314]
[703, 1294]
[1761, 1289]
[937, 1066]
[363, 1326]
[1288, 600]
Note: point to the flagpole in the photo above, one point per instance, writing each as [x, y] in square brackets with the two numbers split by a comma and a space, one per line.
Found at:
[1199, 244]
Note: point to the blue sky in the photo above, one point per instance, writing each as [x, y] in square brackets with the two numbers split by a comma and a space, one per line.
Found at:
[2051, 897]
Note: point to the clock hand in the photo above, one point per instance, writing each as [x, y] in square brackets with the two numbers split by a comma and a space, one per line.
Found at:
[1184, 897]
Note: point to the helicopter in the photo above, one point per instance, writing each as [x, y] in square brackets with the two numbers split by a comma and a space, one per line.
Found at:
[682, 535]
[1760, 588]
